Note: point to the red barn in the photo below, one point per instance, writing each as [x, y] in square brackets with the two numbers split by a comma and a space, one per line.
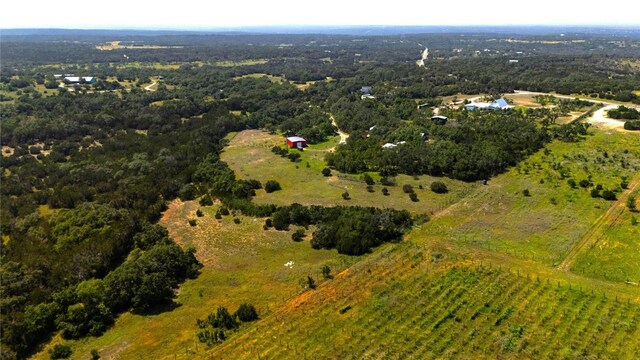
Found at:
[296, 142]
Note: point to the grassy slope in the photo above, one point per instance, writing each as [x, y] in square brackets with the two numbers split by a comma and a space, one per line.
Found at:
[249, 155]
[242, 262]
[500, 217]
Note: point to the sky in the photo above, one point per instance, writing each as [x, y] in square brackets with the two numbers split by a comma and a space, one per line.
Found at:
[212, 14]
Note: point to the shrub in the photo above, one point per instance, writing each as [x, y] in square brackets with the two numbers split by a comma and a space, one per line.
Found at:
[246, 313]
[632, 125]
[572, 183]
[192, 222]
[236, 220]
[631, 203]
[326, 271]
[584, 183]
[608, 195]
[345, 195]
[407, 189]
[297, 235]
[595, 193]
[94, 354]
[368, 179]
[526, 192]
[272, 186]
[624, 184]
[385, 191]
[268, 224]
[294, 157]
[224, 210]
[199, 213]
[218, 215]
[326, 171]
[413, 197]
[387, 181]
[206, 201]
[439, 187]
[634, 221]
[60, 351]
[370, 188]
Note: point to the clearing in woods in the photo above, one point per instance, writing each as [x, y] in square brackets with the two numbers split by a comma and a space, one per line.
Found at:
[249, 155]
[242, 263]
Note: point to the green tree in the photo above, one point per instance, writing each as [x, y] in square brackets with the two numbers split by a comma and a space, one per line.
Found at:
[271, 186]
[631, 203]
[298, 235]
[326, 171]
[246, 313]
[326, 271]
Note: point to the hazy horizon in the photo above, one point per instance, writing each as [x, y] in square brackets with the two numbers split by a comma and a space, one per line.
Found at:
[192, 15]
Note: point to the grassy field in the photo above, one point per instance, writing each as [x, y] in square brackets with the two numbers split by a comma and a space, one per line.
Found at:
[242, 263]
[249, 155]
[481, 279]
[232, 63]
[417, 301]
[546, 224]
[613, 254]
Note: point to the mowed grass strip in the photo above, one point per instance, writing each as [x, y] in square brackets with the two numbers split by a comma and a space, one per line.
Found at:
[249, 155]
[242, 263]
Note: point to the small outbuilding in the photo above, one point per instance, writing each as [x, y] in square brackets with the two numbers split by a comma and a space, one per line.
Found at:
[296, 142]
[439, 119]
[366, 89]
[89, 79]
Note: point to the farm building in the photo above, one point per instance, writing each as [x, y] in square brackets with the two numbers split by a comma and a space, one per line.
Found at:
[77, 79]
[72, 79]
[500, 104]
[366, 90]
[296, 142]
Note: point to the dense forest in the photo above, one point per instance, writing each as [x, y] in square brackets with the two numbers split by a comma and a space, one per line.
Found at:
[87, 170]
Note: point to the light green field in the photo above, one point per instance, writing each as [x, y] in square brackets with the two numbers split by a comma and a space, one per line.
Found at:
[275, 79]
[249, 155]
[501, 218]
[401, 307]
[231, 63]
[614, 253]
[242, 263]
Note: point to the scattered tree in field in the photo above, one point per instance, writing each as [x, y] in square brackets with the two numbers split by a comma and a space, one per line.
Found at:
[407, 188]
[246, 313]
[595, 193]
[608, 195]
[311, 284]
[413, 196]
[631, 203]
[236, 220]
[439, 187]
[326, 171]
[385, 191]
[192, 222]
[94, 354]
[572, 183]
[526, 192]
[370, 188]
[224, 210]
[60, 351]
[297, 235]
[199, 213]
[345, 195]
[271, 186]
[326, 271]
[368, 179]
[584, 183]
[268, 224]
